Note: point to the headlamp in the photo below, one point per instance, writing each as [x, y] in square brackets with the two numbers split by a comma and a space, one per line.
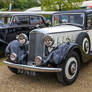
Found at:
[48, 41]
[22, 38]
[38, 60]
[13, 56]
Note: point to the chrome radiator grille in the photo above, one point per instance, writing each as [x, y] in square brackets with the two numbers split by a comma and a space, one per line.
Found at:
[36, 47]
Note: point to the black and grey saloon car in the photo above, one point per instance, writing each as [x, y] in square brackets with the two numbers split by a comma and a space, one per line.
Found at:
[61, 49]
[52, 16]
[14, 24]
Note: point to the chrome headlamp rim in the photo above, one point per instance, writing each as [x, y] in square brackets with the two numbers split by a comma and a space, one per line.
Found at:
[22, 38]
[13, 57]
[48, 41]
[38, 60]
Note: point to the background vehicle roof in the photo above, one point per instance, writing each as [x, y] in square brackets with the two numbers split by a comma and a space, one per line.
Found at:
[30, 13]
[87, 11]
[45, 12]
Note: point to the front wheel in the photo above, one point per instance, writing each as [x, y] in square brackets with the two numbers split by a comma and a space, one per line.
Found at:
[70, 69]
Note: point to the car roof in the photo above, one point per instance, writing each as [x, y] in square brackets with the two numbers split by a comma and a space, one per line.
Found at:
[44, 12]
[15, 13]
[86, 11]
[29, 13]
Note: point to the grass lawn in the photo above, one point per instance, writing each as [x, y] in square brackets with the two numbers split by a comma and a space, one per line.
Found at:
[1, 61]
[5, 9]
[1, 64]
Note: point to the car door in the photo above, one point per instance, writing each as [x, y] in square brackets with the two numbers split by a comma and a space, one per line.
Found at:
[21, 24]
[10, 32]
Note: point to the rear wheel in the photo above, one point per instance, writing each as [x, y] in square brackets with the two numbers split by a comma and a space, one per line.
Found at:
[70, 69]
[84, 41]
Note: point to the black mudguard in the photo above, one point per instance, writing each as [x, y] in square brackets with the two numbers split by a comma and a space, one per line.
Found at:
[59, 55]
[18, 49]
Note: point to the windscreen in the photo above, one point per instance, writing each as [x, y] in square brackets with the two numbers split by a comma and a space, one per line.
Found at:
[76, 19]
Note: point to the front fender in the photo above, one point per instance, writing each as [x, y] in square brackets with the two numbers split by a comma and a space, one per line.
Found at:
[59, 55]
[18, 49]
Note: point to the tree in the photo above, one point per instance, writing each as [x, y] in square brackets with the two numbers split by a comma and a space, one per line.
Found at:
[18, 4]
[4, 3]
[24, 4]
[60, 4]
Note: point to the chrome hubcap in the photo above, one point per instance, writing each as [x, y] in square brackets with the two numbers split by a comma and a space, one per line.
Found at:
[86, 45]
[71, 67]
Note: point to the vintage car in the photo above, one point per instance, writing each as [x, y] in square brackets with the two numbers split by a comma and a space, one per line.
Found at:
[60, 49]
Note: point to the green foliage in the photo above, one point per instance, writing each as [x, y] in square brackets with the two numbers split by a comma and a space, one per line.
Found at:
[1, 64]
[18, 4]
[53, 5]
[4, 3]
[24, 4]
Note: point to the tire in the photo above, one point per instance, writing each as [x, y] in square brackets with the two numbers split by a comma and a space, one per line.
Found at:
[2, 50]
[70, 69]
[13, 70]
[84, 41]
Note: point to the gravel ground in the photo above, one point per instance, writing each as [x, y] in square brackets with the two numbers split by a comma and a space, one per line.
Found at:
[45, 82]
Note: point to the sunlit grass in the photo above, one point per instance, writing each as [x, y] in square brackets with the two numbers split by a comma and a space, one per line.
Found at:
[1, 61]
[1, 64]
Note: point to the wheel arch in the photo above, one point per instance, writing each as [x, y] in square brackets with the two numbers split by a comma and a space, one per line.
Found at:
[59, 55]
[78, 51]
[76, 48]
[80, 38]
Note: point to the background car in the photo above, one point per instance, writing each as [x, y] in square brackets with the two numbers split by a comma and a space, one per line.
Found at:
[52, 16]
[14, 24]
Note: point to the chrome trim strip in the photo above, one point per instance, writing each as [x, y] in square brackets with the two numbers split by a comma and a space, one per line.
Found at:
[32, 67]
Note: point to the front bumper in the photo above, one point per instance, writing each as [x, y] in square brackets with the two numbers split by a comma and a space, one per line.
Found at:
[32, 67]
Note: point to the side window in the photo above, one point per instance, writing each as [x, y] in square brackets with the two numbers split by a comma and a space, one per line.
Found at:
[34, 20]
[57, 20]
[20, 20]
[64, 18]
[5, 20]
[89, 21]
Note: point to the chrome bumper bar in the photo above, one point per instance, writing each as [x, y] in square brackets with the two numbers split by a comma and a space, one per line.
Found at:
[32, 67]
